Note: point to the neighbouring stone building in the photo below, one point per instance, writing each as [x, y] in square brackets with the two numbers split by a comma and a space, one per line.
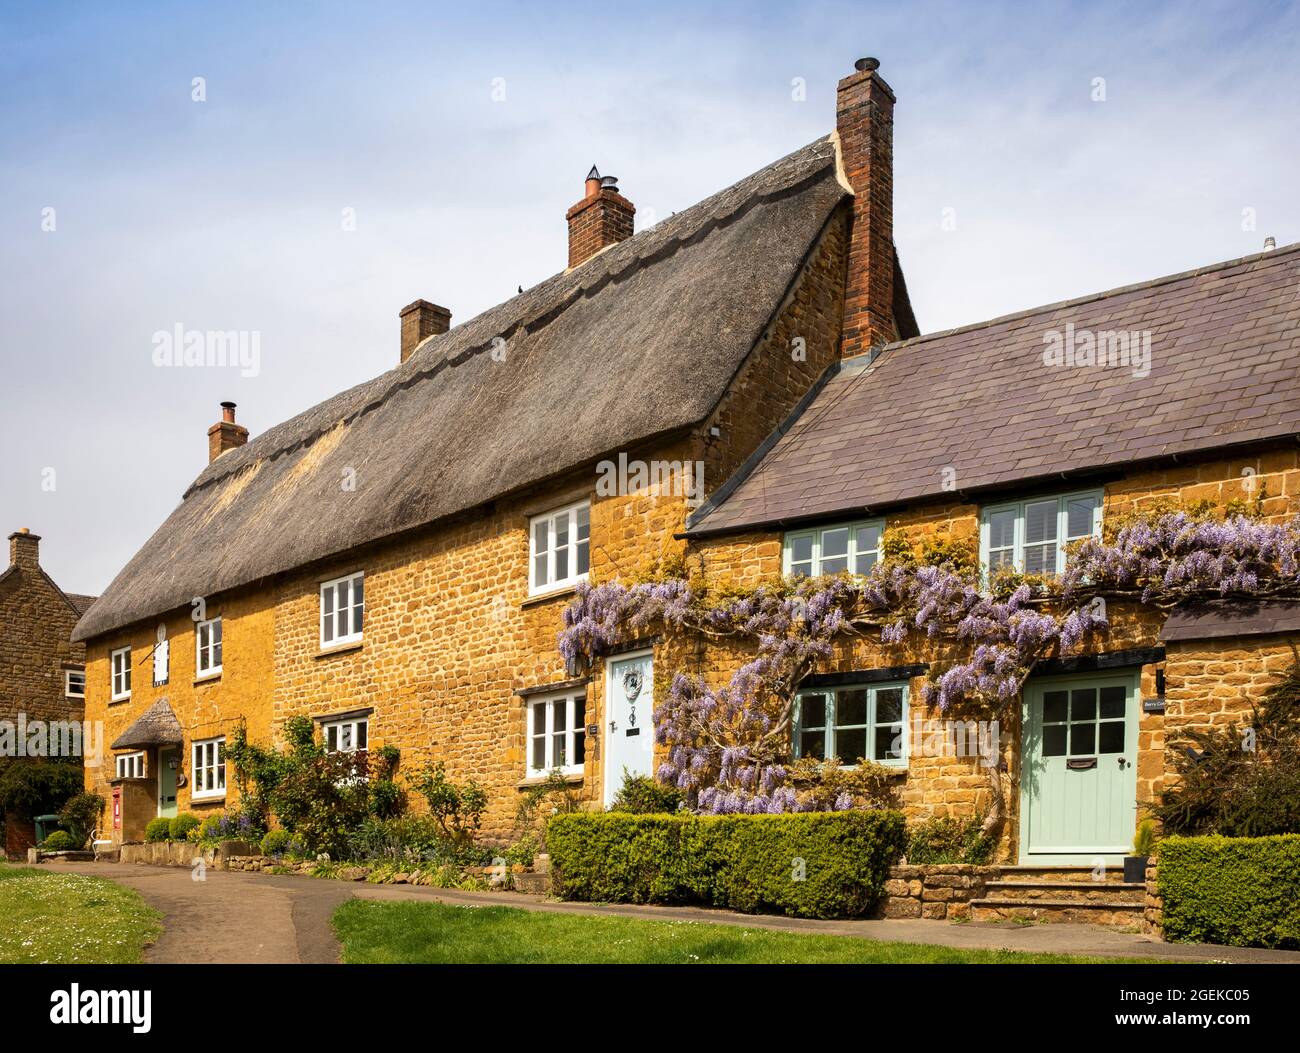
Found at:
[743, 386]
[42, 672]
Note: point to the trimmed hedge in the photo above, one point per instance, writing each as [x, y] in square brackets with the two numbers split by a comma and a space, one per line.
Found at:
[157, 830]
[1239, 891]
[748, 863]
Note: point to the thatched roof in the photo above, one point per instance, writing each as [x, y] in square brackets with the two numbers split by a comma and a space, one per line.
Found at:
[157, 726]
[978, 410]
[641, 340]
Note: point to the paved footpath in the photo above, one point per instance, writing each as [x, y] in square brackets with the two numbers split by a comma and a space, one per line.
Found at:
[235, 917]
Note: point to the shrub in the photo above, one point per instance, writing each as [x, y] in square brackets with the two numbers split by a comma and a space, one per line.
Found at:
[60, 841]
[641, 795]
[411, 839]
[80, 815]
[29, 788]
[1240, 891]
[178, 829]
[1224, 787]
[276, 843]
[945, 840]
[157, 829]
[1144, 840]
[458, 810]
[813, 865]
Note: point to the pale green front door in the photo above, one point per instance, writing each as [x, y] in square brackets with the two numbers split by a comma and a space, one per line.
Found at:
[1078, 776]
[167, 760]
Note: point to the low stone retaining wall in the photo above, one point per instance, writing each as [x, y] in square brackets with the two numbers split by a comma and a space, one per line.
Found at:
[941, 891]
[1152, 916]
[184, 853]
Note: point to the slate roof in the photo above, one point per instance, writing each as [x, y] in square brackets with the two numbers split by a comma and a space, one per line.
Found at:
[1223, 618]
[640, 340]
[1224, 370]
[156, 726]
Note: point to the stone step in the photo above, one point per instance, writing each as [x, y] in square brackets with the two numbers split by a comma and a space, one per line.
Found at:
[1091, 912]
[1081, 875]
[1071, 891]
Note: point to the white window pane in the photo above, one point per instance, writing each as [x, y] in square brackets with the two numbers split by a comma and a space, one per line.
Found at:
[1079, 516]
[1040, 559]
[835, 543]
[539, 569]
[582, 558]
[1002, 529]
[331, 738]
[561, 563]
[1003, 558]
[1040, 521]
[801, 550]
[363, 733]
[583, 522]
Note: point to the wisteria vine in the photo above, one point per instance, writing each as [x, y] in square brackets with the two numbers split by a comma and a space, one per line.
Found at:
[729, 748]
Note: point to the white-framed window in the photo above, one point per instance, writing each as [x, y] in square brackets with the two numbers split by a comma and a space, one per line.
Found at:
[866, 721]
[207, 648]
[162, 660]
[1032, 535]
[208, 767]
[346, 736]
[557, 733]
[74, 683]
[853, 547]
[559, 548]
[130, 765]
[342, 609]
[120, 663]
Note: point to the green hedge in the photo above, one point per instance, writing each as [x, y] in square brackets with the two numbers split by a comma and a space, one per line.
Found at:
[1240, 891]
[749, 863]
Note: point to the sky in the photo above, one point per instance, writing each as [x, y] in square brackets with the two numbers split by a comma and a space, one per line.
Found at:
[302, 171]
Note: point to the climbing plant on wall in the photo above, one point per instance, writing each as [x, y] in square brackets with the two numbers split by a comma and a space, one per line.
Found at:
[729, 748]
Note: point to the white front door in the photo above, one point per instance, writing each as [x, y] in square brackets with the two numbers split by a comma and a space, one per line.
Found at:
[629, 720]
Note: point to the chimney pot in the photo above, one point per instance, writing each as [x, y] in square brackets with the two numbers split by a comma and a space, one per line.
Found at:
[421, 320]
[225, 434]
[603, 217]
[1270, 243]
[864, 125]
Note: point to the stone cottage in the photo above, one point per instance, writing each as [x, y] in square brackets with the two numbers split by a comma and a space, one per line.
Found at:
[42, 671]
[742, 385]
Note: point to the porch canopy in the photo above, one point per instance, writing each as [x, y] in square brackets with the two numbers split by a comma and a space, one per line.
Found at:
[1225, 618]
[157, 726]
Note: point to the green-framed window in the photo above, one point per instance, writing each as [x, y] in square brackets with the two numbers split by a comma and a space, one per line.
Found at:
[853, 547]
[1032, 535]
[865, 721]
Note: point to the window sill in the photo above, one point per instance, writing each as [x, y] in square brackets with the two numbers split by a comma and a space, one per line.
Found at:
[120, 698]
[574, 778]
[200, 802]
[208, 677]
[551, 594]
[343, 648]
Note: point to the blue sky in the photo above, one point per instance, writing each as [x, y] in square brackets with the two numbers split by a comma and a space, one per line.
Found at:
[226, 214]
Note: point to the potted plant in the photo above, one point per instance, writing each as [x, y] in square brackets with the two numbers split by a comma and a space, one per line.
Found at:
[1144, 843]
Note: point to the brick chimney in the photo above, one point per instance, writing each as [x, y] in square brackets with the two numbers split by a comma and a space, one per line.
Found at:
[864, 120]
[420, 320]
[24, 549]
[601, 219]
[225, 434]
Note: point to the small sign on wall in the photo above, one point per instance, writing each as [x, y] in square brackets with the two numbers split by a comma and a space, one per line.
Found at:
[1153, 705]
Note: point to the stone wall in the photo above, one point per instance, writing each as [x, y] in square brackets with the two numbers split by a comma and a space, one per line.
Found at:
[938, 892]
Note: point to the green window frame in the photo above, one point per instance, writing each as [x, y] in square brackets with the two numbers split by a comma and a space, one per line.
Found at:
[1032, 535]
[853, 547]
[856, 721]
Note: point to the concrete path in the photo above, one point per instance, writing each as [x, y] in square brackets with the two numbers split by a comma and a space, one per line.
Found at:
[241, 917]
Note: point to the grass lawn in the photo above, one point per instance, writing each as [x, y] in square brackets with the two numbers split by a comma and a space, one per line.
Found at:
[70, 919]
[374, 933]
